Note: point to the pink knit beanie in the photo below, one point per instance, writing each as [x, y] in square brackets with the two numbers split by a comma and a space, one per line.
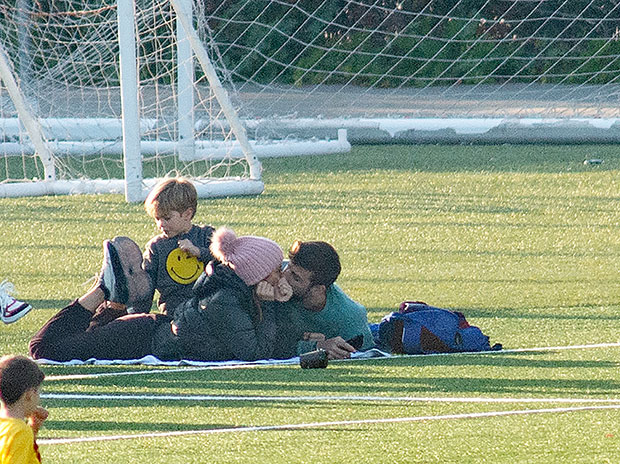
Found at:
[252, 258]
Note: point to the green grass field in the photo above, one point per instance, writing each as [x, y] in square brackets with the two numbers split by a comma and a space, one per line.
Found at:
[525, 240]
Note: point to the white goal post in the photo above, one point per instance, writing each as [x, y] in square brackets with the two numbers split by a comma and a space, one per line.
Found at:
[295, 74]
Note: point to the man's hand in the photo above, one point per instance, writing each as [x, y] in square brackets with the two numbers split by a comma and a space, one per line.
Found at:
[38, 417]
[187, 246]
[314, 336]
[336, 348]
[283, 291]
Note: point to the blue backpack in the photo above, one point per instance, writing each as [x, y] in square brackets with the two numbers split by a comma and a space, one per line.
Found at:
[418, 328]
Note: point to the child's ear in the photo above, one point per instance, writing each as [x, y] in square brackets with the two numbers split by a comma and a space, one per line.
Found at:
[30, 395]
[188, 214]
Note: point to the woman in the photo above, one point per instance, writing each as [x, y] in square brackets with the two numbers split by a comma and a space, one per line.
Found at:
[229, 317]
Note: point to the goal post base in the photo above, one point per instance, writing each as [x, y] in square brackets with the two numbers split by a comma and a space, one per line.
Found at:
[362, 131]
[206, 188]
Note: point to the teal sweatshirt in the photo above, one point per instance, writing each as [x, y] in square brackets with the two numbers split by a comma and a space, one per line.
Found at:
[341, 316]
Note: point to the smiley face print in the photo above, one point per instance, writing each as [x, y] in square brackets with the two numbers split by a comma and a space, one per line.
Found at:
[182, 267]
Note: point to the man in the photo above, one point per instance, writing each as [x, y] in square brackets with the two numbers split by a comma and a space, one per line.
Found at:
[320, 313]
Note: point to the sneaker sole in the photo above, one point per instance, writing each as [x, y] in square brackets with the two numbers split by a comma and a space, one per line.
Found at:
[117, 283]
[108, 277]
[18, 315]
[126, 257]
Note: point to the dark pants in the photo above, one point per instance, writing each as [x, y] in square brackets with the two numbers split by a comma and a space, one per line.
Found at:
[66, 336]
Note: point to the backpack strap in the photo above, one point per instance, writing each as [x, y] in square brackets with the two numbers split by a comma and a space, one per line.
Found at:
[410, 306]
[396, 340]
[463, 324]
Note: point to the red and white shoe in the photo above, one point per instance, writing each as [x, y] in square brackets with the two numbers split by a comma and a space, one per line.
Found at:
[11, 309]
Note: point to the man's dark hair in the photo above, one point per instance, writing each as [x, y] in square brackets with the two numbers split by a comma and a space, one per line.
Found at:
[18, 374]
[320, 258]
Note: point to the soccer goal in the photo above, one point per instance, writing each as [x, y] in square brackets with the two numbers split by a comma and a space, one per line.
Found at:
[98, 95]
[102, 96]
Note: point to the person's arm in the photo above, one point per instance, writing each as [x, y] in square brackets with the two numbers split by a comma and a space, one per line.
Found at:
[351, 318]
[204, 244]
[198, 244]
[337, 348]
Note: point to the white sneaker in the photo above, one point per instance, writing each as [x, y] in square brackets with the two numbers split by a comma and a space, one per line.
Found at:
[11, 309]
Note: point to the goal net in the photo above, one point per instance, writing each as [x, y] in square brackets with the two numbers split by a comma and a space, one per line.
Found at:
[425, 70]
[385, 70]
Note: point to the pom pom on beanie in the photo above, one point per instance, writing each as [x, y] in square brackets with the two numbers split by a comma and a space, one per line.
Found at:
[252, 258]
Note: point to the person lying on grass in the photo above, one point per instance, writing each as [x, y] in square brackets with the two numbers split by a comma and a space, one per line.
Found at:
[319, 315]
[231, 315]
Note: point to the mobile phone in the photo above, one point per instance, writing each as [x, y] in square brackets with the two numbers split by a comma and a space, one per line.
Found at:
[356, 342]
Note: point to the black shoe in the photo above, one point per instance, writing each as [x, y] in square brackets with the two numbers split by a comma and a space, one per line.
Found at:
[112, 279]
[129, 284]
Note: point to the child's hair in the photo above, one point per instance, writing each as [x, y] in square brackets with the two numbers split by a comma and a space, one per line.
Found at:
[174, 194]
[18, 374]
[320, 258]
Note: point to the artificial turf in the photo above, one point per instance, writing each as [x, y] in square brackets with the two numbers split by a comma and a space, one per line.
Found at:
[523, 239]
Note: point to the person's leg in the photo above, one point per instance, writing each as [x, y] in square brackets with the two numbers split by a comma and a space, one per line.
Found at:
[106, 313]
[128, 337]
[92, 299]
[122, 278]
[49, 341]
[66, 336]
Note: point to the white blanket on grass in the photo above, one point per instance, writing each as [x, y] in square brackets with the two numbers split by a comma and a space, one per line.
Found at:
[154, 361]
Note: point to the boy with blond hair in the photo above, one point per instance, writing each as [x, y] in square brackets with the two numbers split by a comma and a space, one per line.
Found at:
[21, 415]
[171, 263]
[176, 257]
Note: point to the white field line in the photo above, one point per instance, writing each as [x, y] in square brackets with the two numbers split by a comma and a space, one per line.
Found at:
[264, 428]
[246, 366]
[214, 398]
[142, 372]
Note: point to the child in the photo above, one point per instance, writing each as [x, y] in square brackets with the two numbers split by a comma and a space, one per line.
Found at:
[175, 258]
[20, 382]
[171, 263]
[10, 308]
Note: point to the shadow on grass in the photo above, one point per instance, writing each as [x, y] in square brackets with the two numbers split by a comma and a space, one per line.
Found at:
[102, 426]
[452, 158]
[580, 313]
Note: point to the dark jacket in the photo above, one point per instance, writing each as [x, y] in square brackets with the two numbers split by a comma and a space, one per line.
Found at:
[220, 322]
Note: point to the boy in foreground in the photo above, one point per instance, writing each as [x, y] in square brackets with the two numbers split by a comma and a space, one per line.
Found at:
[21, 415]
